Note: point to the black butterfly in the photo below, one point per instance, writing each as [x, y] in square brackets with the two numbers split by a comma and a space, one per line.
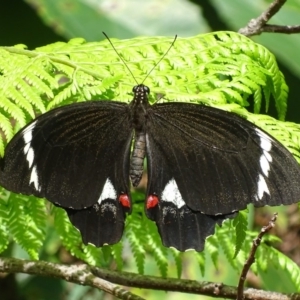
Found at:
[203, 165]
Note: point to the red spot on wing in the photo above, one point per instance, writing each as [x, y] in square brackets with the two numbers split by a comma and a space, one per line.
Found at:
[124, 200]
[152, 201]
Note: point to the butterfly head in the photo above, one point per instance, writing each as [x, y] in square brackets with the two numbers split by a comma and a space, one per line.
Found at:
[141, 93]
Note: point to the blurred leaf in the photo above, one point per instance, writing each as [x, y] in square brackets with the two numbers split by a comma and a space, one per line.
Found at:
[286, 47]
[122, 19]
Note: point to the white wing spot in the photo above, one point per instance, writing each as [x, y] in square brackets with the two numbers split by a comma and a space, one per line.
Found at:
[27, 134]
[172, 194]
[262, 187]
[264, 161]
[34, 179]
[108, 192]
[30, 157]
[265, 143]
[264, 164]
[268, 156]
[28, 151]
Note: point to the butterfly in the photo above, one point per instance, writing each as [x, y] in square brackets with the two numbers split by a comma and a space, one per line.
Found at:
[203, 166]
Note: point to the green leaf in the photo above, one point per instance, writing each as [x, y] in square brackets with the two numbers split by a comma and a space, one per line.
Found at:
[122, 19]
[241, 225]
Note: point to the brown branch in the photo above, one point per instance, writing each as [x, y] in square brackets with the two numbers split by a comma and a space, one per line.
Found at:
[251, 257]
[259, 25]
[79, 274]
[282, 29]
[106, 279]
[212, 289]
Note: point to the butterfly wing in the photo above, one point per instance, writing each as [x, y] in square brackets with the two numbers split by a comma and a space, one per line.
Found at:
[77, 157]
[206, 163]
[183, 228]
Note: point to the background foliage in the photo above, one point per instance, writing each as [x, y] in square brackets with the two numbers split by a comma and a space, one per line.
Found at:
[82, 19]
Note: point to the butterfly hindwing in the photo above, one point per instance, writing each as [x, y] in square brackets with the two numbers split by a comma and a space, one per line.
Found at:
[100, 224]
[183, 228]
[77, 157]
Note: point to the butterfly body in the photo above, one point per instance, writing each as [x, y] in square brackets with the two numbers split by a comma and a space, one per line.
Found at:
[140, 106]
[203, 166]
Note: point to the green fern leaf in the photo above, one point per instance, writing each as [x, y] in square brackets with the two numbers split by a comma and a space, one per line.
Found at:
[27, 231]
[133, 228]
[201, 261]
[93, 255]
[4, 217]
[69, 236]
[117, 251]
[241, 225]
[212, 248]
[278, 260]
[257, 100]
[178, 260]
[155, 247]
[226, 239]
[160, 255]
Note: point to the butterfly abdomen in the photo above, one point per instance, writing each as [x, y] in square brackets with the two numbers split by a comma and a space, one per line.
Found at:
[137, 158]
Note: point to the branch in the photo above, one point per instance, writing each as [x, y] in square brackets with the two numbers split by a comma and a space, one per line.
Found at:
[251, 257]
[103, 278]
[79, 274]
[259, 25]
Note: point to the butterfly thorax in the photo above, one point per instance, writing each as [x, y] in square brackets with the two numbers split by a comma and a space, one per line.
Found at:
[139, 106]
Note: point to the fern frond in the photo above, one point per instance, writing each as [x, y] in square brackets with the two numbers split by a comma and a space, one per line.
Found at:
[92, 255]
[4, 217]
[117, 251]
[154, 246]
[27, 226]
[212, 248]
[160, 255]
[268, 257]
[135, 235]
[226, 239]
[241, 224]
[6, 127]
[178, 260]
[13, 110]
[233, 65]
[201, 261]
[69, 235]
[257, 98]
[290, 266]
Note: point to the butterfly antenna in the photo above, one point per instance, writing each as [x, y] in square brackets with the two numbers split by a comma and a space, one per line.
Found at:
[161, 58]
[129, 68]
[119, 56]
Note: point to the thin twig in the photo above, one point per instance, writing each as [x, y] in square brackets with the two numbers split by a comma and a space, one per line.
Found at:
[282, 29]
[251, 257]
[259, 25]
